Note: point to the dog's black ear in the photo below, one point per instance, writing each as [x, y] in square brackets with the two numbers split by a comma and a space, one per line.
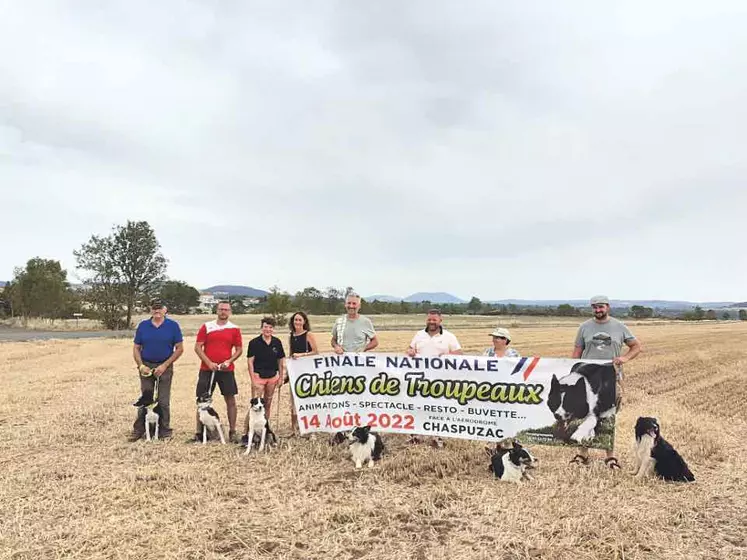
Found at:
[554, 382]
[366, 429]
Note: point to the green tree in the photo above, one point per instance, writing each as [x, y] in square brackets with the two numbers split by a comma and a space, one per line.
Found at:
[474, 305]
[179, 297]
[725, 316]
[123, 267]
[310, 300]
[641, 312]
[40, 289]
[277, 305]
[711, 315]
[566, 310]
[743, 314]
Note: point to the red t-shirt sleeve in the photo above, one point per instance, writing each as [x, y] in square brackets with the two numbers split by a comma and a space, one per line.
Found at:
[237, 338]
[202, 334]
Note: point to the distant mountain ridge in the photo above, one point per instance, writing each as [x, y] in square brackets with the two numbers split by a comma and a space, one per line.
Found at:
[232, 290]
[654, 303]
[433, 297]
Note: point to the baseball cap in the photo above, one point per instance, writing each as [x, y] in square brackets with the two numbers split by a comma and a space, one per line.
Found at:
[598, 300]
[501, 332]
[156, 304]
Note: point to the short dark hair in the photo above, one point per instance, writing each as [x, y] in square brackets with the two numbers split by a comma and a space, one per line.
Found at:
[306, 324]
[434, 311]
[267, 321]
[221, 302]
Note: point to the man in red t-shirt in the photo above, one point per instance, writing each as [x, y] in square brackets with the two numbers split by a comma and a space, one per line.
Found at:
[219, 346]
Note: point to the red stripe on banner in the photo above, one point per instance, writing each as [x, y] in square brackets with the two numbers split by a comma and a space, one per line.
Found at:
[531, 367]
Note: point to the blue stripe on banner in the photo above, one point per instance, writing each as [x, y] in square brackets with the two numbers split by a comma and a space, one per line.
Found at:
[520, 365]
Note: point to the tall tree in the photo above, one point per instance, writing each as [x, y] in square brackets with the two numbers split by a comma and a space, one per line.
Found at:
[179, 297]
[277, 304]
[40, 289]
[125, 266]
[743, 314]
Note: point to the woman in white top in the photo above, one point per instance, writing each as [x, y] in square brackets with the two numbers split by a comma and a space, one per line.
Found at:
[500, 349]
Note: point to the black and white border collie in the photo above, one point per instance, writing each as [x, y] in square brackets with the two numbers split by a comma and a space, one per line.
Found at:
[256, 424]
[365, 445]
[654, 455]
[587, 393]
[209, 418]
[152, 412]
[511, 464]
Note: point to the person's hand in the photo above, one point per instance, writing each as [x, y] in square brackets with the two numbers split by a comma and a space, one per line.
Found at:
[158, 372]
[411, 352]
[144, 370]
[225, 365]
[212, 366]
[338, 349]
[620, 360]
[294, 356]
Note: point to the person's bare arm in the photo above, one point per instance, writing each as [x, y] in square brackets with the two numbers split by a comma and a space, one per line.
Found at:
[136, 350]
[373, 343]
[577, 351]
[200, 351]
[337, 348]
[458, 352]
[238, 351]
[250, 365]
[634, 348]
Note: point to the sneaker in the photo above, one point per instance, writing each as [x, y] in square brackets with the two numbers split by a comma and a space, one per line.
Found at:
[165, 434]
[232, 438]
[244, 440]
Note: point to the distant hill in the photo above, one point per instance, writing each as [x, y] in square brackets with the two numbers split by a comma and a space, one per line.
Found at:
[2, 283]
[654, 303]
[433, 297]
[231, 290]
[383, 297]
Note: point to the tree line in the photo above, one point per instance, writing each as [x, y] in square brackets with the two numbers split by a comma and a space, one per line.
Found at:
[123, 271]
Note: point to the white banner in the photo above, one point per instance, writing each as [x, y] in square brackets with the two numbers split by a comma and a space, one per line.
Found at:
[537, 400]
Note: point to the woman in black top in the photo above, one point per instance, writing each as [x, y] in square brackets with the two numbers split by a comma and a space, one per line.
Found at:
[302, 343]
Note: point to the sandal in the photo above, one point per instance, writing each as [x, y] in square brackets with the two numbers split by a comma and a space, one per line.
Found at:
[580, 460]
[612, 463]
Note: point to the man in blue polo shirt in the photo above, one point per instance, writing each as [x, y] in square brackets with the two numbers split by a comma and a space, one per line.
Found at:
[158, 344]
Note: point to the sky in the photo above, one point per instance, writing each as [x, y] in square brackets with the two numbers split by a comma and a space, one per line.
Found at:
[505, 150]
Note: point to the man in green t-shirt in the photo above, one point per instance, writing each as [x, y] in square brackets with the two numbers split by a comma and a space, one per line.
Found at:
[353, 332]
[603, 338]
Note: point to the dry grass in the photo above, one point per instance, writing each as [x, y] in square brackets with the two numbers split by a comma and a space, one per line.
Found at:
[71, 487]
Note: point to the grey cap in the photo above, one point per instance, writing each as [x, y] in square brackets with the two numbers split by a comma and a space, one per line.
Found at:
[598, 300]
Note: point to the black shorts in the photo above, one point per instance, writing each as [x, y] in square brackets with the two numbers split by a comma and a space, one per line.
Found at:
[226, 380]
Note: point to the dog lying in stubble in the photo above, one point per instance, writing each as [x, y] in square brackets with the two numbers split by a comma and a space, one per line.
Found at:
[655, 456]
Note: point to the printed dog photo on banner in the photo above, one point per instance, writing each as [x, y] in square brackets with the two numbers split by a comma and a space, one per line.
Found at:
[554, 401]
[583, 405]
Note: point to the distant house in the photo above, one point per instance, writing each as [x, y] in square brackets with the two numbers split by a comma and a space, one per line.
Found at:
[207, 301]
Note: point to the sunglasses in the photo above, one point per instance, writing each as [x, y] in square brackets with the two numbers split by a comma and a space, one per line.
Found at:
[501, 337]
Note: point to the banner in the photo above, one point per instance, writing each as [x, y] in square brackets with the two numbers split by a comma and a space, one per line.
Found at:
[536, 400]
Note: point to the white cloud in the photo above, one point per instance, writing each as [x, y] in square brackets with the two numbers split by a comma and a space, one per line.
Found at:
[504, 151]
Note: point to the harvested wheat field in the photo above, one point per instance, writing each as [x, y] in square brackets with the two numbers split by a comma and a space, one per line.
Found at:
[72, 487]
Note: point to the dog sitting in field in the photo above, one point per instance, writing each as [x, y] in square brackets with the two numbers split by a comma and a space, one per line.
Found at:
[365, 446]
[151, 411]
[257, 425]
[511, 464]
[209, 418]
[654, 455]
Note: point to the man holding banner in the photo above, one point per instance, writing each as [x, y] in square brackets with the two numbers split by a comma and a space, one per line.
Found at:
[602, 338]
[433, 340]
[353, 332]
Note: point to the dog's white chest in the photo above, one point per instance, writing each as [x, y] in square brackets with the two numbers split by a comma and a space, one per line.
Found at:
[511, 473]
[208, 420]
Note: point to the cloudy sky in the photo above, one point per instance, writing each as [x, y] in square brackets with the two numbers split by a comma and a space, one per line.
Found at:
[522, 150]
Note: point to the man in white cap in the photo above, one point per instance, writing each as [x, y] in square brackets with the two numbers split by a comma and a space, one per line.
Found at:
[603, 338]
